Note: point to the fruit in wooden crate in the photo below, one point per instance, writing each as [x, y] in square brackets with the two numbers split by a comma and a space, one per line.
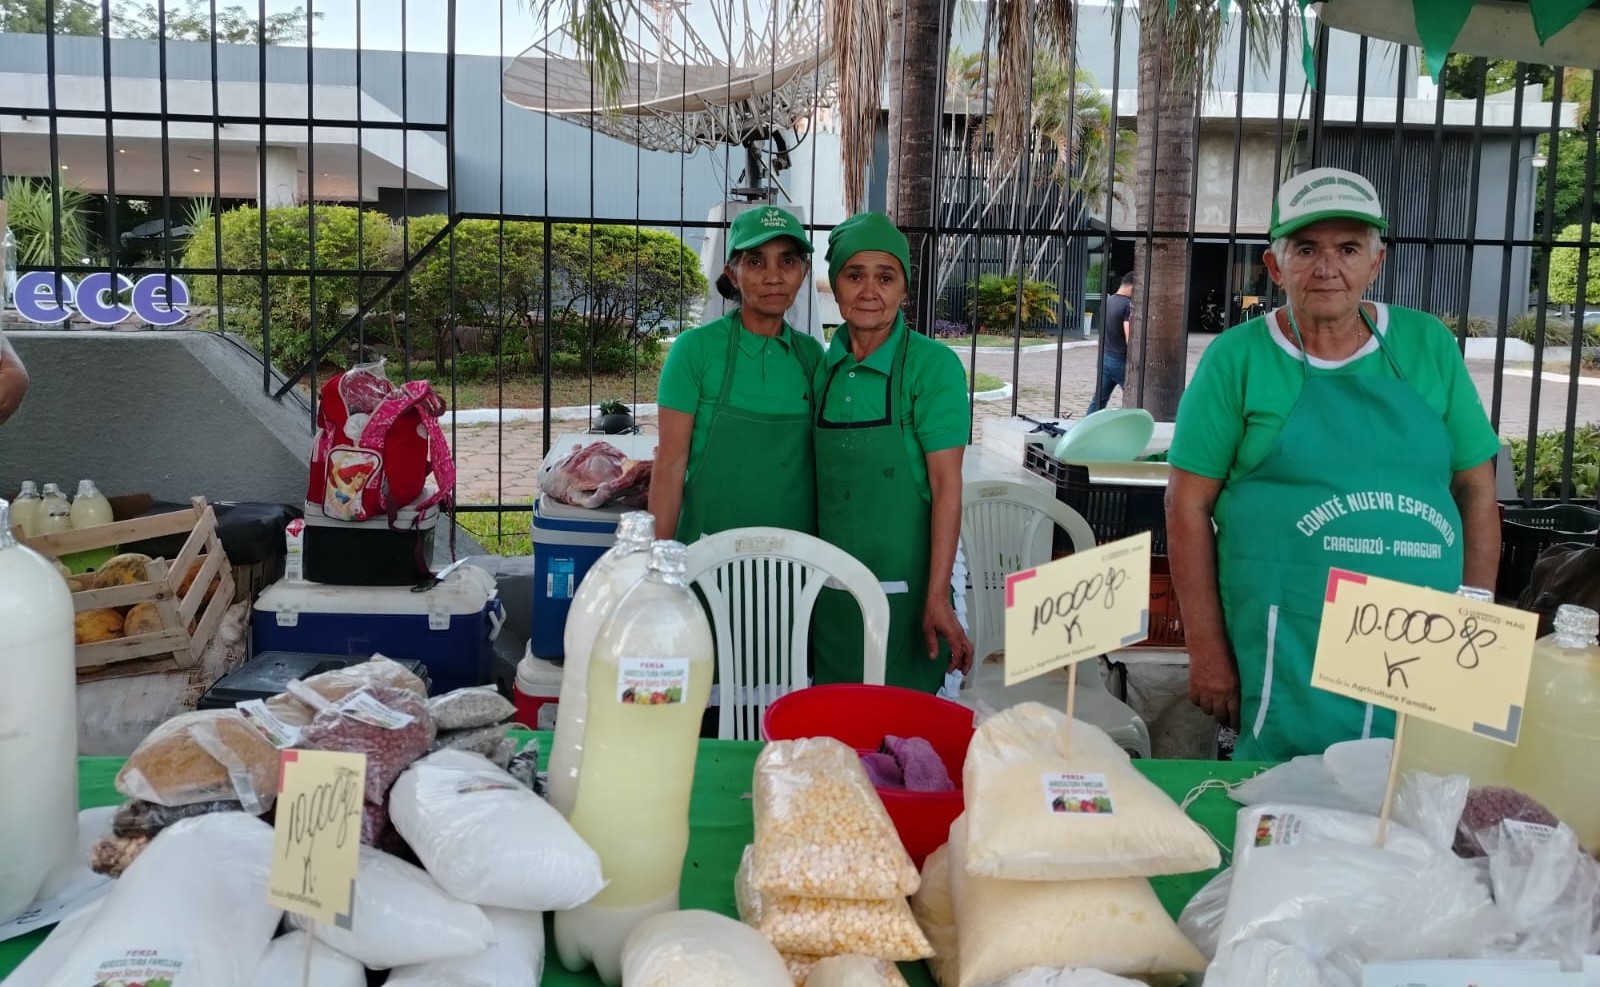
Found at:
[142, 618]
[193, 574]
[78, 584]
[93, 626]
[65, 572]
[123, 570]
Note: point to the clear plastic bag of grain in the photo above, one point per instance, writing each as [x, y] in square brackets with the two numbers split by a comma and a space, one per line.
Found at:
[842, 971]
[883, 929]
[821, 830]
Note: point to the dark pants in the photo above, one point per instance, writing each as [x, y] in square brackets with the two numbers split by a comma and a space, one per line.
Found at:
[1113, 374]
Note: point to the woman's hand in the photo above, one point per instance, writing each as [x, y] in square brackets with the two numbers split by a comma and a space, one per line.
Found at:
[1214, 683]
[939, 621]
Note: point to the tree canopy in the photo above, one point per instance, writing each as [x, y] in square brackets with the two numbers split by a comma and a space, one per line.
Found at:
[190, 20]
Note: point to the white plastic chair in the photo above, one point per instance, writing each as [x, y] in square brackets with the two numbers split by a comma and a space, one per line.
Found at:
[760, 585]
[1006, 527]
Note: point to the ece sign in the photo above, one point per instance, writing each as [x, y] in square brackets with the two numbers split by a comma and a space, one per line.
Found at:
[47, 298]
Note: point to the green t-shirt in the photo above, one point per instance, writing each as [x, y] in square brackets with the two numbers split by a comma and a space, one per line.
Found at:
[939, 415]
[1250, 377]
[769, 374]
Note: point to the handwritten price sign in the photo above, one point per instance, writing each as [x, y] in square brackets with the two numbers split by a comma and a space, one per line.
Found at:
[1423, 653]
[317, 834]
[1078, 607]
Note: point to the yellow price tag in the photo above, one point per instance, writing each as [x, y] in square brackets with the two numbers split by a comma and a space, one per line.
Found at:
[1423, 653]
[1077, 608]
[317, 834]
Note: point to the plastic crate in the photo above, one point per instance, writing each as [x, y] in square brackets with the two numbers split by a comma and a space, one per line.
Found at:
[1113, 511]
[1166, 620]
[1525, 532]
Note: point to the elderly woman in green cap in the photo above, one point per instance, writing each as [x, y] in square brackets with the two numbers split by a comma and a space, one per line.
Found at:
[736, 397]
[892, 423]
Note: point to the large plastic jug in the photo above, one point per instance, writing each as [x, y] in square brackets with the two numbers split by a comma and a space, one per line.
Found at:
[607, 581]
[25, 509]
[38, 727]
[649, 683]
[1557, 760]
[90, 507]
[55, 511]
[1440, 750]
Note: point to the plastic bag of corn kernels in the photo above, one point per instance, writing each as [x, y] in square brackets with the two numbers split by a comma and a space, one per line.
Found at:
[821, 831]
[842, 971]
[883, 929]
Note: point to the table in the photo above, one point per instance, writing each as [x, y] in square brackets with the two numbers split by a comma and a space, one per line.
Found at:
[720, 826]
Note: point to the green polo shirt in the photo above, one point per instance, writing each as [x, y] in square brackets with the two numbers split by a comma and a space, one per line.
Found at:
[939, 416]
[769, 374]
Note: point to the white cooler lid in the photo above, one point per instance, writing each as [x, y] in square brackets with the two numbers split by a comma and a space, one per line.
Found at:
[537, 677]
[465, 591]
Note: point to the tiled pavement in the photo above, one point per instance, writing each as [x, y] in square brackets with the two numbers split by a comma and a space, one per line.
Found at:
[502, 463]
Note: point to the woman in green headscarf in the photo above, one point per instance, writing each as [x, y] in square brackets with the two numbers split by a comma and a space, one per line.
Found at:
[892, 424]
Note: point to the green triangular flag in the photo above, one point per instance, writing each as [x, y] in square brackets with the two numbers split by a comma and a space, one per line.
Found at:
[1308, 56]
[1172, 8]
[1438, 24]
[1224, 6]
[1550, 16]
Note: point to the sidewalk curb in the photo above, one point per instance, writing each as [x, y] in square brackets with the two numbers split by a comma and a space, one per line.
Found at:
[489, 416]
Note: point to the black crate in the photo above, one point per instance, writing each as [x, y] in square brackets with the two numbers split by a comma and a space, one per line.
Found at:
[1113, 510]
[1525, 532]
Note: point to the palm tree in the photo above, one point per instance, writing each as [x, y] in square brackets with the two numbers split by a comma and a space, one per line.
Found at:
[1178, 44]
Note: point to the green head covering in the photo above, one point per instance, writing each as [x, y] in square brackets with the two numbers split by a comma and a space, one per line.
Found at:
[866, 231]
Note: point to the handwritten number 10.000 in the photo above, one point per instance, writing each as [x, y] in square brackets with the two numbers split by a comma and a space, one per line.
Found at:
[1417, 627]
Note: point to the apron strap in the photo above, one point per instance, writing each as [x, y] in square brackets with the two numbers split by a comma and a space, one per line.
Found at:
[1383, 345]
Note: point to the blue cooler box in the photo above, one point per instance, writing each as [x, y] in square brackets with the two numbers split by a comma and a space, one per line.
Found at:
[450, 628]
[567, 540]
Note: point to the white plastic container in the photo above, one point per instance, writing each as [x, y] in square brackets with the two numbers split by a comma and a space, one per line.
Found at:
[55, 511]
[25, 509]
[38, 727]
[609, 579]
[649, 682]
[90, 507]
[537, 693]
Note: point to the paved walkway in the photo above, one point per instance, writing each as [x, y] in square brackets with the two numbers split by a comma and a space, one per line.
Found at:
[502, 464]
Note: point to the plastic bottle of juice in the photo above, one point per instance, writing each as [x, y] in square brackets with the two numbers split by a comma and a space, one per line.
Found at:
[25, 509]
[39, 745]
[649, 683]
[1557, 760]
[612, 575]
[55, 511]
[90, 507]
[1439, 750]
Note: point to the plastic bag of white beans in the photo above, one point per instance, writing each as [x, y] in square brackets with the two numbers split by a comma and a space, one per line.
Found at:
[821, 830]
[883, 929]
[842, 971]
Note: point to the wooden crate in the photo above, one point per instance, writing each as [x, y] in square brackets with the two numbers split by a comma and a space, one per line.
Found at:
[173, 647]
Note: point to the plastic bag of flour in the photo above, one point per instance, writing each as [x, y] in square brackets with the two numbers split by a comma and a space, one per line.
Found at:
[516, 958]
[700, 949]
[285, 961]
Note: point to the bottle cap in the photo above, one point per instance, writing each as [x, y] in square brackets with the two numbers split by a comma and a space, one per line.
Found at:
[635, 531]
[6, 541]
[86, 489]
[1477, 593]
[670, 559]
[1576, 627]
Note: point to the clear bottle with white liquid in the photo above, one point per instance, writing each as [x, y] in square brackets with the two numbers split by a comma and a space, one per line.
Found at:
[649, 684]
[1557, 758]
[38, 727]
[25, 509]
[90, 507]
[55, 511]
[607, 581]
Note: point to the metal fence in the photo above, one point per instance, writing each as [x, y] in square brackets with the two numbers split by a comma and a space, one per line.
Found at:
[360, 186]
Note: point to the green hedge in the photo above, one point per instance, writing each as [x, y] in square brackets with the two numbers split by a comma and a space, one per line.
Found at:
[1548, 451]
[1564, 268]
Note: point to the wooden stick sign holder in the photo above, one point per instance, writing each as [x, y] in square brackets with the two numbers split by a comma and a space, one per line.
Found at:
[1448, 659]
[1077, 608]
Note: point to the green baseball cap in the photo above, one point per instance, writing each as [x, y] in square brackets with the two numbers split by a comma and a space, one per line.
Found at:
[753, 227]
[1325, 193]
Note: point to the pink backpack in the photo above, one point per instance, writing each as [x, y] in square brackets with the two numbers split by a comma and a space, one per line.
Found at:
[376, 445]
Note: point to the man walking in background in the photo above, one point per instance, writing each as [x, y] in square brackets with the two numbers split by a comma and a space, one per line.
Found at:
[1114, 316]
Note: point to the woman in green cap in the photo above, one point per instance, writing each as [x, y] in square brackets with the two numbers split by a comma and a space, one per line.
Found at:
[736, 396]
[892, 424]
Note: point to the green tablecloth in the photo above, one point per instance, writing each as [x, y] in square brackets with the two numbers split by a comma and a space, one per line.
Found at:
[720, 826]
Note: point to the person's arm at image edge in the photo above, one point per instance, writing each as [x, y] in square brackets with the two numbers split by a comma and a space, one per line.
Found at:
[13, 380]
[1474, 493]
[672, 463]
[939, 614]
[1192, 554]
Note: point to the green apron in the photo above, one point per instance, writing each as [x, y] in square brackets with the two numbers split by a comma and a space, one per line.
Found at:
[870, 505]
[1359, 480]
[756, 469]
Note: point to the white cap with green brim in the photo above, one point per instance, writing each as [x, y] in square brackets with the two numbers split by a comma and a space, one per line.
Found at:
[1325, 193]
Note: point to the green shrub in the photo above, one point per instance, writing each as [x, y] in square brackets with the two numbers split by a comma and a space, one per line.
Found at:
[288, 303]
[1557, 332]
[999, 307]
[1476, 326]
[1564, 268]
[1548, 451]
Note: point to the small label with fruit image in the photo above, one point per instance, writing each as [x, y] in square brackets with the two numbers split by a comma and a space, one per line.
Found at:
[141, 968]
[652, 681]
[1077, 793]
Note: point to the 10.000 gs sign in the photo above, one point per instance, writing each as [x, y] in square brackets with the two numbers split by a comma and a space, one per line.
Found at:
[48, 298]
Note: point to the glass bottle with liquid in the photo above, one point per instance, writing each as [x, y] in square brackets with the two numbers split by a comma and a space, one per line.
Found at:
[90, 507]
[612, 576]
[55, 511]
[25, 509]
[649, 683]
[1435, 749]
[39, 744]
[1557, 760]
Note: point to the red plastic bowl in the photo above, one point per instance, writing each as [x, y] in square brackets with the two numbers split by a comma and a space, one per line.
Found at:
[861, 716]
